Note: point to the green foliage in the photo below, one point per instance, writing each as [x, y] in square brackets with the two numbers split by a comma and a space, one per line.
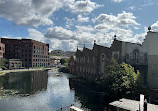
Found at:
[64, 61]
[2, 63]
[121, 78]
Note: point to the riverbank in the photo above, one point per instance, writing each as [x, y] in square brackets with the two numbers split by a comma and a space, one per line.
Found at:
[3, 72]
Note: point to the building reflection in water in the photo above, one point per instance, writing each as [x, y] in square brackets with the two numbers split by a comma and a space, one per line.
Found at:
[90, 95]
[26, 82]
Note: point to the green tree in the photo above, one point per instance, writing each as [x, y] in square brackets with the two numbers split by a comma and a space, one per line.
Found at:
[2, 63]
[64, 61]
[121, 78]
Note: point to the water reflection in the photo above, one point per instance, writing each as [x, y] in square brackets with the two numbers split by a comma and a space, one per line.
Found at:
[47, 92]
[26, 82]
[90, 95]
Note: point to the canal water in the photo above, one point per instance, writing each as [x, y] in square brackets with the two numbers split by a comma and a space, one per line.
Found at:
[48, 91]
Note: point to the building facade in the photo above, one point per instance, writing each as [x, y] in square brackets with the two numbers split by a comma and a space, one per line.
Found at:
[32, 53]
[150, 43]
[14, 63]
[2, 49]
[91, 63]
[72, 64]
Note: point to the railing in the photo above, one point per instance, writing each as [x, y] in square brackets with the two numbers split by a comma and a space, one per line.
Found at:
[64, 108]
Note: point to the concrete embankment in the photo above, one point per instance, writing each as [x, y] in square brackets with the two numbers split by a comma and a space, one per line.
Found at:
[3, 72]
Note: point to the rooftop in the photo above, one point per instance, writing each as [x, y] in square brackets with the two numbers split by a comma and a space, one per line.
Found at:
[132, 105]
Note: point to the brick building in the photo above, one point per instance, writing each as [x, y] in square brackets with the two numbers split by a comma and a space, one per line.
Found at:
[91, 63]
[72, 64]
[14, 63]
[32, 53]
[2, 49]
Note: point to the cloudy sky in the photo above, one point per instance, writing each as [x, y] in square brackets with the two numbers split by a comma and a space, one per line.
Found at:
[66, 24]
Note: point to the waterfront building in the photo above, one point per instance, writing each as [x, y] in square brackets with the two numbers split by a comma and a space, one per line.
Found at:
[32, 53]
[151, 44]
[91, 63]
[72, 64]
[2, 49]
[14, 63]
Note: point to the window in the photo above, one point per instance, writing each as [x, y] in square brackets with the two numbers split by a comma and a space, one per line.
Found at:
[116, 57]
[136, 55]
[87, 59]
[12, 65]
[93, 59]
[103, 57]
[19, 64]
[15, 64]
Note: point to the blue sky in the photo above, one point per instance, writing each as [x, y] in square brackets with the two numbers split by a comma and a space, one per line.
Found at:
[66, 24]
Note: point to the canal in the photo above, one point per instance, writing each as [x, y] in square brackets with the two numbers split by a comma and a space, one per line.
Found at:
[48, 91]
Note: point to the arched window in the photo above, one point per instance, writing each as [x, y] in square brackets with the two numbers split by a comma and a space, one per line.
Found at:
[93, 59]
[116, 57]
[87, 59]
[103, 57]
[136, 55]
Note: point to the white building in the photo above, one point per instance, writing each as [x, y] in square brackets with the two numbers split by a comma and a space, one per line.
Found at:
[151, 45]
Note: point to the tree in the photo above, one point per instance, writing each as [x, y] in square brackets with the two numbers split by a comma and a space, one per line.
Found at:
[64, 61]
[121, 78]
[2, 63]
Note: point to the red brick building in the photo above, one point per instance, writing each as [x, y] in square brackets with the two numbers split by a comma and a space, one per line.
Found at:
[32, 53]
[2, 49]
[14, 63]
[72, 64]
[91, 63]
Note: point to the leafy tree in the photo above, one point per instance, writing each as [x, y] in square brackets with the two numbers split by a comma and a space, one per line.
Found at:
[121, 78]
[64, 61]
[2, 63]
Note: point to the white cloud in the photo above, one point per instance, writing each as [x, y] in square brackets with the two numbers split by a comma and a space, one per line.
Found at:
[54, 42]
[117, 0]
[83, 6]
[36, 35]
[121, 25]
[60, 33]
[105, 27]
[84, 28]
[69, 22]
[132, 7]
[82, 19]
[124, 19]
[154, 27]
[38, 12]
[28, 12]
[67, 45]
[31, 12]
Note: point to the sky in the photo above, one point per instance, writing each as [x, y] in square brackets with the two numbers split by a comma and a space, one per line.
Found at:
[66, 24]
